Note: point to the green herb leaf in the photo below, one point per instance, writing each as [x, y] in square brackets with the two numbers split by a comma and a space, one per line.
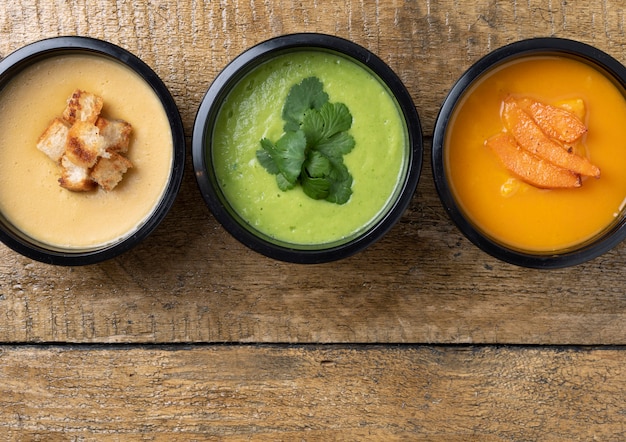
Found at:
[337, 145]
[336, 118]
[340, 183]
[316, 188]
[308, 94]
[330, 120]
[313, 126]
[317, 165]
[285, 157]
[290, 154]
[283, 183]
[265, 158]
[311, 149]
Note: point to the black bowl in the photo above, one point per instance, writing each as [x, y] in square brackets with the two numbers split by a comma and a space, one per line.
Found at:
[202, 147]
[31, 54]
[585, 251]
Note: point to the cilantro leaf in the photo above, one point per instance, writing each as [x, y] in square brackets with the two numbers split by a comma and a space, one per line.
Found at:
[291, 154]
[265, 158]
[285, 157]
[336, 118]
[313, 126]
[317, 165]
[327, 128]
[308, 94]
[283, 183]
[310, 151]
[340, 183]
[316, 188]
[337, 145]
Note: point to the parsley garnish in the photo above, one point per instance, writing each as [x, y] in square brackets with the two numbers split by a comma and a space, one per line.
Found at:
[310, 151]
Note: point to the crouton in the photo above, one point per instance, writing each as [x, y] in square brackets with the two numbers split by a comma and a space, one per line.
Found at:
[52, 141]
[83, 106]
[84, 144]
[74, 177]
[88, 148]
[108, 172]
[116, 134]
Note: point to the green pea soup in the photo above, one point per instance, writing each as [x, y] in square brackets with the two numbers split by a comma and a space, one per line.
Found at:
[253, 110]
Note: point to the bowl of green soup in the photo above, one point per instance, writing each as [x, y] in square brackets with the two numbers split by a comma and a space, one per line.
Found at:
[307, 148]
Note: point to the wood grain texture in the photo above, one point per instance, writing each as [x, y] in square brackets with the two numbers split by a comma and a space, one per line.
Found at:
[429, 44]
[423, 283]
[315, 393]
[190, 283]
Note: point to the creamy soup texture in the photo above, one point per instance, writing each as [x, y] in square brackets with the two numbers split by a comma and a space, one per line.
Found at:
[252, 111]
[30, 196]
[517, 214]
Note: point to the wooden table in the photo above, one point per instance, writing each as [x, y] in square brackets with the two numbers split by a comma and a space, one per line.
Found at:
[421, 337]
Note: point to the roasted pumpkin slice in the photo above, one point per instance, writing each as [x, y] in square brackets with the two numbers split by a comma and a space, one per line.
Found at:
[531, 137]
[528, 167]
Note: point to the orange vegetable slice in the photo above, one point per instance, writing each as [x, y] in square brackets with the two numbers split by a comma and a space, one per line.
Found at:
[557, 123]
[574, 106]
[528, 167]
[530, 136]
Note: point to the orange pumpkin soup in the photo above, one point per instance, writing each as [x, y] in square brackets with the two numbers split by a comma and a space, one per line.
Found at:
[511, 211]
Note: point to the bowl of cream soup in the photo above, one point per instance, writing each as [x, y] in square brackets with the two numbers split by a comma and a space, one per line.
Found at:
[91, 150]
[307, 148]
[529, 153]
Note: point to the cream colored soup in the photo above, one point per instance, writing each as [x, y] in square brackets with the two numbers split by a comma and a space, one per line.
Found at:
[30, 196]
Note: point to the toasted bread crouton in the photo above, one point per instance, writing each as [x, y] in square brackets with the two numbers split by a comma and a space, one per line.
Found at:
[83, 106]
[84, 144]
[116, 134]
[75, 177]
[89, 149]
[52, 141]
[108, 172]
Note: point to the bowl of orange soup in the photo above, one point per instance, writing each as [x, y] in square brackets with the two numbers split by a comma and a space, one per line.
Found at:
[529, 151]
[91, 150]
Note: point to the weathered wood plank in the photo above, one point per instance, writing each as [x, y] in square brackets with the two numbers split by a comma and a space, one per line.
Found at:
[421, 283]
[429, 44]
[326, 393]
[191, 282]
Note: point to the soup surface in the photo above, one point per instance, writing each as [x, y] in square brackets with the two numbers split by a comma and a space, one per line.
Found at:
[253, 110]
[515, 213]
[30, 196]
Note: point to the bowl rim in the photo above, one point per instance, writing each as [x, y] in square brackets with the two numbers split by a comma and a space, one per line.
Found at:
[240, 66]
[39, 50]
[588, 250]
